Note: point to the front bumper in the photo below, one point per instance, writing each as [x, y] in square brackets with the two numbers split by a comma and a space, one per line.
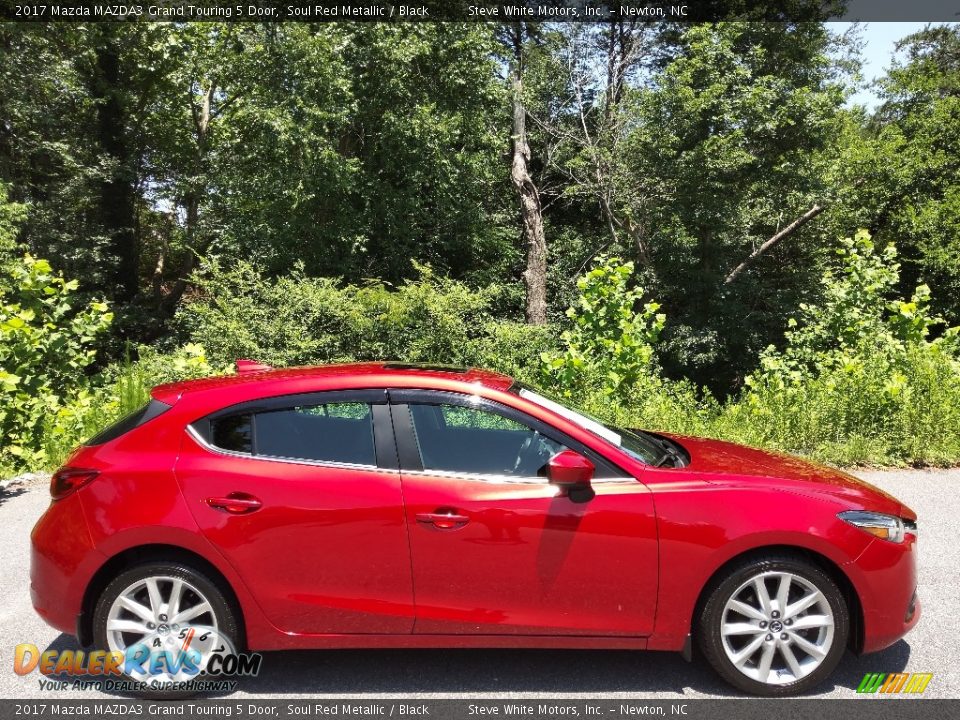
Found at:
[885, 576]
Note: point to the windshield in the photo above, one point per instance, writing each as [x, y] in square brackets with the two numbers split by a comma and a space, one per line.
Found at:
[644, 448]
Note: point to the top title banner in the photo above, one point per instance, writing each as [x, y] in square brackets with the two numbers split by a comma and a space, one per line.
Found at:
[651, 11]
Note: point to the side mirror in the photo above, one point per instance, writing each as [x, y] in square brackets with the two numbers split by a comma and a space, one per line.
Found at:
[572, 473]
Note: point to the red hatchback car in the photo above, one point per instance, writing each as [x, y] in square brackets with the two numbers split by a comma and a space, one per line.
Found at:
[390, 505]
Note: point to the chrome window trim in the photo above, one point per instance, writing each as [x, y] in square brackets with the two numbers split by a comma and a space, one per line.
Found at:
[508, 479]
[192, 431]
[478, 477]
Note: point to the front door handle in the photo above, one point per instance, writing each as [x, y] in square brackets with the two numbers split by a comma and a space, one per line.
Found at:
[443, 519]
[236, 503]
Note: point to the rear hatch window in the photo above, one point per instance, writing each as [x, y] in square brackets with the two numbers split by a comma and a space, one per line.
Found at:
[135, 419]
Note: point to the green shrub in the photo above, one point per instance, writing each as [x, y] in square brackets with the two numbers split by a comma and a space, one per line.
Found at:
[301, 320]
[609, 347]
[47, 341]
[607, 365]
[512, 347]
[859, 380]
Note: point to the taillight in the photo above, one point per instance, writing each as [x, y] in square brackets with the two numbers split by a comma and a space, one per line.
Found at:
[70, 479]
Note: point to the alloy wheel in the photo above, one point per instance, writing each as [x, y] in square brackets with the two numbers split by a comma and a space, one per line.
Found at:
[167, 615]
[777, 628]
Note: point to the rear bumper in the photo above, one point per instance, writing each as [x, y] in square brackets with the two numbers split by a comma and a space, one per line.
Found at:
[885, 576]
[62, 560]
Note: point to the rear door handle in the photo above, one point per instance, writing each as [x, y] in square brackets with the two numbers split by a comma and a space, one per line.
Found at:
[443, 520]
[236, 503]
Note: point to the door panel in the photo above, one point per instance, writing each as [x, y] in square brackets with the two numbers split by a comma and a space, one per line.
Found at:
[322, 547]
[496, 549]
[529, 562]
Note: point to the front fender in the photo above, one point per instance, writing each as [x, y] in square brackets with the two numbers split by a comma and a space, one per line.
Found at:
[702, 527]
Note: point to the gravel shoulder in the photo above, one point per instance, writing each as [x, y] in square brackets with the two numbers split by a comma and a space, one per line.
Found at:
[933, 646]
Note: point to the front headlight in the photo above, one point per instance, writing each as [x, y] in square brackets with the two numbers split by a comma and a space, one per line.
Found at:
[887, 527]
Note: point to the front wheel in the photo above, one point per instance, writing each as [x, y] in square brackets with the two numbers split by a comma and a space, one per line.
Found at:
[774, 626]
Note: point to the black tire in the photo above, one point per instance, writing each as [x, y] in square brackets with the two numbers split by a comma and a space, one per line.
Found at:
[226, 615]
[708, 629]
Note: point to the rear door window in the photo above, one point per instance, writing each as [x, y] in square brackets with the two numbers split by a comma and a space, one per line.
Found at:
[339, 432]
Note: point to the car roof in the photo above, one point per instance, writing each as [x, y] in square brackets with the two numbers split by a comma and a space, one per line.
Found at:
[380, 374]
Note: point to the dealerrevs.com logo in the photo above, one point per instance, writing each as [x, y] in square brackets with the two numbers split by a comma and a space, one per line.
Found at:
[894, 682]
[193, 659]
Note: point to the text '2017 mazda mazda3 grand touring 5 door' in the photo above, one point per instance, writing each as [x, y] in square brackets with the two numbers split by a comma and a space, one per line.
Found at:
[386, 505]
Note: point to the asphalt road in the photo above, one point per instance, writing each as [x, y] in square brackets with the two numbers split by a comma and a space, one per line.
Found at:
[933, 646]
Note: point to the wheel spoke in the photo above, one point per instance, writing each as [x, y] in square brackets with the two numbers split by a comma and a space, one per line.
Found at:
[130, 626]
[741, 628]
[760, 586]
[141, 611]
[747, 610]
[173, 602]
[191, 613]
[808, 647]
[802, 604]
[766, 659]
[791, 659]
[743, 655]
[783, 592]
[153, 590]
[811, 621]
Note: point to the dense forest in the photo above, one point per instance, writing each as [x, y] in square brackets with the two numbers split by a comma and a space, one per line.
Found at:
[690, 219]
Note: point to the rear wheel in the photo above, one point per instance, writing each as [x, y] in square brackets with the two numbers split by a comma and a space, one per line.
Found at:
[168, 609]
[774, 626]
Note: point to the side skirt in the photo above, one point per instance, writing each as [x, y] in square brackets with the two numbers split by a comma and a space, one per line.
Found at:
[320, 642]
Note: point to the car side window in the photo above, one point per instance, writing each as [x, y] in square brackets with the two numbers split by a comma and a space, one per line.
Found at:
[454, 438]
[331, 432]
[339, 432]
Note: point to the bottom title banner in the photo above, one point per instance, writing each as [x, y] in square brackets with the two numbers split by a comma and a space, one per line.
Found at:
[868, 708]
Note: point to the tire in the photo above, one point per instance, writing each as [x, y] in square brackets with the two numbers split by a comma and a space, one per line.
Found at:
[196, 588]
[750, 643]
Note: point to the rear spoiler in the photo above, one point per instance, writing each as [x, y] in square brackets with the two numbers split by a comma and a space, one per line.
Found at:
[250, 366]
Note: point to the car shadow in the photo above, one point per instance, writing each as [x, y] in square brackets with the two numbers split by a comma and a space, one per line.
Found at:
[493, 672]
[11, 492]
[851, 670]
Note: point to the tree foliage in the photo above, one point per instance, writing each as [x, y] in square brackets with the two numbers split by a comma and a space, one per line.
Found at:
[612, 336]
[312, 193]
[46, 343]
[917, 146]
[299, 320]
[860, 374]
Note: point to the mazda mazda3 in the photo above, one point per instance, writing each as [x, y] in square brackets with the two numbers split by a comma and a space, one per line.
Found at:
[384, 505]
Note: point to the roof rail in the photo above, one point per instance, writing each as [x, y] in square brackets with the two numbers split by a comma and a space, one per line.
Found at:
[250, 366]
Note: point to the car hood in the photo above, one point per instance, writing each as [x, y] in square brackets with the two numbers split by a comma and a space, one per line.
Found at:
[726, 462]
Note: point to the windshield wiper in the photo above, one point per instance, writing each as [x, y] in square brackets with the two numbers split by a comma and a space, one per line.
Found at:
[663, 459]
[670, 451]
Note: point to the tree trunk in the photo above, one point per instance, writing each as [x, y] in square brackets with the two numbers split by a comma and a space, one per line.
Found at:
[117, 197]
[531, 211]
[169, 304]
[202, 117]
